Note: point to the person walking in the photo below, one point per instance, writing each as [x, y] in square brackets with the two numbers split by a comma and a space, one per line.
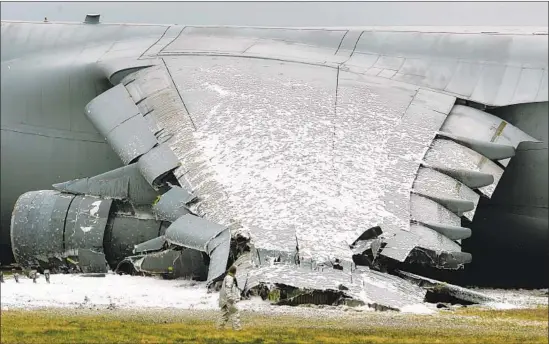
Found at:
[228, 297]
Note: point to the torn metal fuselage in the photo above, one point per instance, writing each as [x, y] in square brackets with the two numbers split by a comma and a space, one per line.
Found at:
[112, 235]
[142, 219]
[112, 212]
[188, 177]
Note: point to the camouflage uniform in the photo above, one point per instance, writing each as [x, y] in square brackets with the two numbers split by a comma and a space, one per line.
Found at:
[228, 297]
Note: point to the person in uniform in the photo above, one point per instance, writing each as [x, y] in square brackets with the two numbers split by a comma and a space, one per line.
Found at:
[228, 297]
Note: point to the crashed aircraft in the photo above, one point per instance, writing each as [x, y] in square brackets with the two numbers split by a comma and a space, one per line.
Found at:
[316, 160]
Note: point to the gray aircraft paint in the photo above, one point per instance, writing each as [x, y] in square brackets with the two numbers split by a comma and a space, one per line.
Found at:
[54, 110]
[49, 74]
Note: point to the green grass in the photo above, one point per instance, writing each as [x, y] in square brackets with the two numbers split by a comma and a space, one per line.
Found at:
[539, 313]
[463, 326]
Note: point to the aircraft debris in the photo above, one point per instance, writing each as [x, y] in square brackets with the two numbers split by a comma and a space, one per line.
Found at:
[170, 263]
[91, 261]
[438, 291]
[175, 208]
[173, 204]
[292, 285]
[202, 235]
[155, 244]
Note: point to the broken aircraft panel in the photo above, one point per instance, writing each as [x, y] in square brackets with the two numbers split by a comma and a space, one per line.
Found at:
[449, 260]
[303, 140]
[75, 223]
[155, 244]
[455, 291]
[193, 232]
[170, 263]
[199, 234]
[91, 261]
[219, 255]
[192, 264]
[156, 163]
[159, 262]
[124, 183]
[365, 285]
[173, 204]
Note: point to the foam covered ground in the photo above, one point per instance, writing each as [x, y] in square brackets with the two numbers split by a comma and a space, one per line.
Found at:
[135, 292]
[120, 290]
